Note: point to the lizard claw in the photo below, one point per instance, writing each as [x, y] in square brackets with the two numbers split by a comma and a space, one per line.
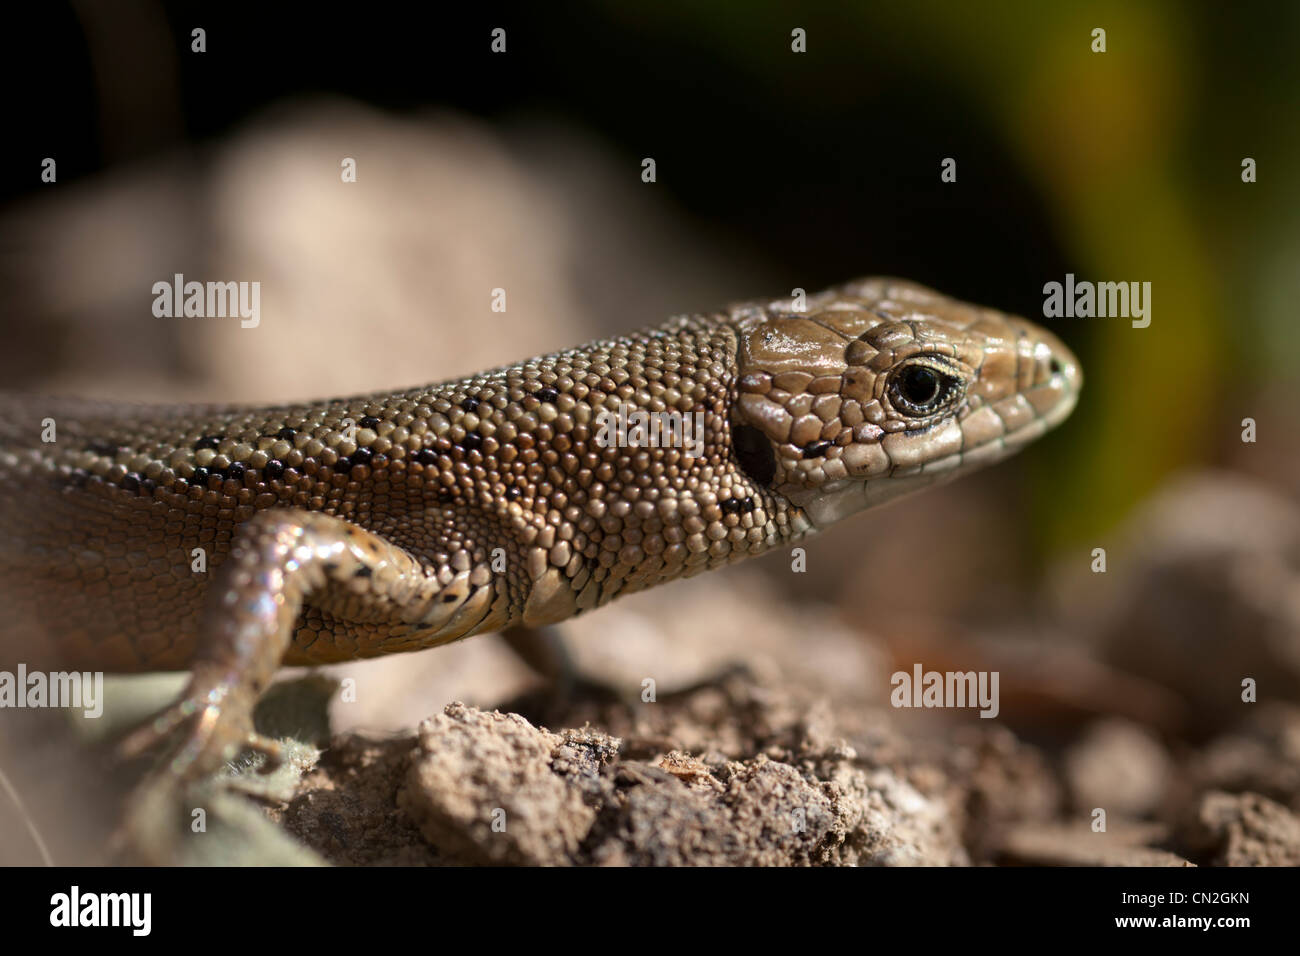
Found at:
[206, 729]
[217, 728]
[268, 747]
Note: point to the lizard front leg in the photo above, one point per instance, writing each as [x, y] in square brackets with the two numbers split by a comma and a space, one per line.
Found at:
[284, 562]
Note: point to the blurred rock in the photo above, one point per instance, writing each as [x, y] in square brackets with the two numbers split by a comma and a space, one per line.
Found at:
[1078, 845]
[1203, 592]
[1049, 685]
[371, 285]
[1119, 767]
[1261, 755]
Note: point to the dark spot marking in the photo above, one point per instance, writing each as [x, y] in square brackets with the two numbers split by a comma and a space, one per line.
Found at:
[815, 449]
[274, 469]
[208, 441]
[369, 421]
[472, 441]
[512, 493]
[754, 453]
[362, 456]
[448, 599]
[131, 481]
[362, 572]
[286, 433]
[427, 456]
[200, 476]
[736, 506]
[106, 449]
[547, 393]
[236, 471]
[470, 404]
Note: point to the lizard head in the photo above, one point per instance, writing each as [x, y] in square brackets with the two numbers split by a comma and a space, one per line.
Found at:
[882, 387]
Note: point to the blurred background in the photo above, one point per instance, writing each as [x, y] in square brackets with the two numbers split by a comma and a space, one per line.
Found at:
[775, 169]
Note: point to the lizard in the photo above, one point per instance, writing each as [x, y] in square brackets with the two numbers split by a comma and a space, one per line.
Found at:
[228, 540]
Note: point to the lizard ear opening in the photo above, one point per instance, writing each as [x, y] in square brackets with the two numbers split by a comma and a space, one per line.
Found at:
[754, 453]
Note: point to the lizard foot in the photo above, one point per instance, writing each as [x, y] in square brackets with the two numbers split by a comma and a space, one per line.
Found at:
[209, 726]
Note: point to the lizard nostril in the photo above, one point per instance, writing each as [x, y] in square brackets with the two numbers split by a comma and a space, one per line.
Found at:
[1055, 366]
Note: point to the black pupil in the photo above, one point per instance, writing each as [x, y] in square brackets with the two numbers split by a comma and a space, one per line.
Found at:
[920, 385]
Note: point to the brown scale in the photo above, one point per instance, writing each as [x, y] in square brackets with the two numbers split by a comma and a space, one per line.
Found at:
[362, 526]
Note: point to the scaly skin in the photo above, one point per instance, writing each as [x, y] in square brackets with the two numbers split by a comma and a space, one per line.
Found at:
[488, 502]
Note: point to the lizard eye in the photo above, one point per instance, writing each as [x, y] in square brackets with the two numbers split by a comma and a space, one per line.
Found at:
[920, 389]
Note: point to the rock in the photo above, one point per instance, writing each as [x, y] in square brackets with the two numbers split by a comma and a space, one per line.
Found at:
[777, 788]
[1244, 829]
[1204, 594]
[1261, 755]
[491, 788]
[1119, 767]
